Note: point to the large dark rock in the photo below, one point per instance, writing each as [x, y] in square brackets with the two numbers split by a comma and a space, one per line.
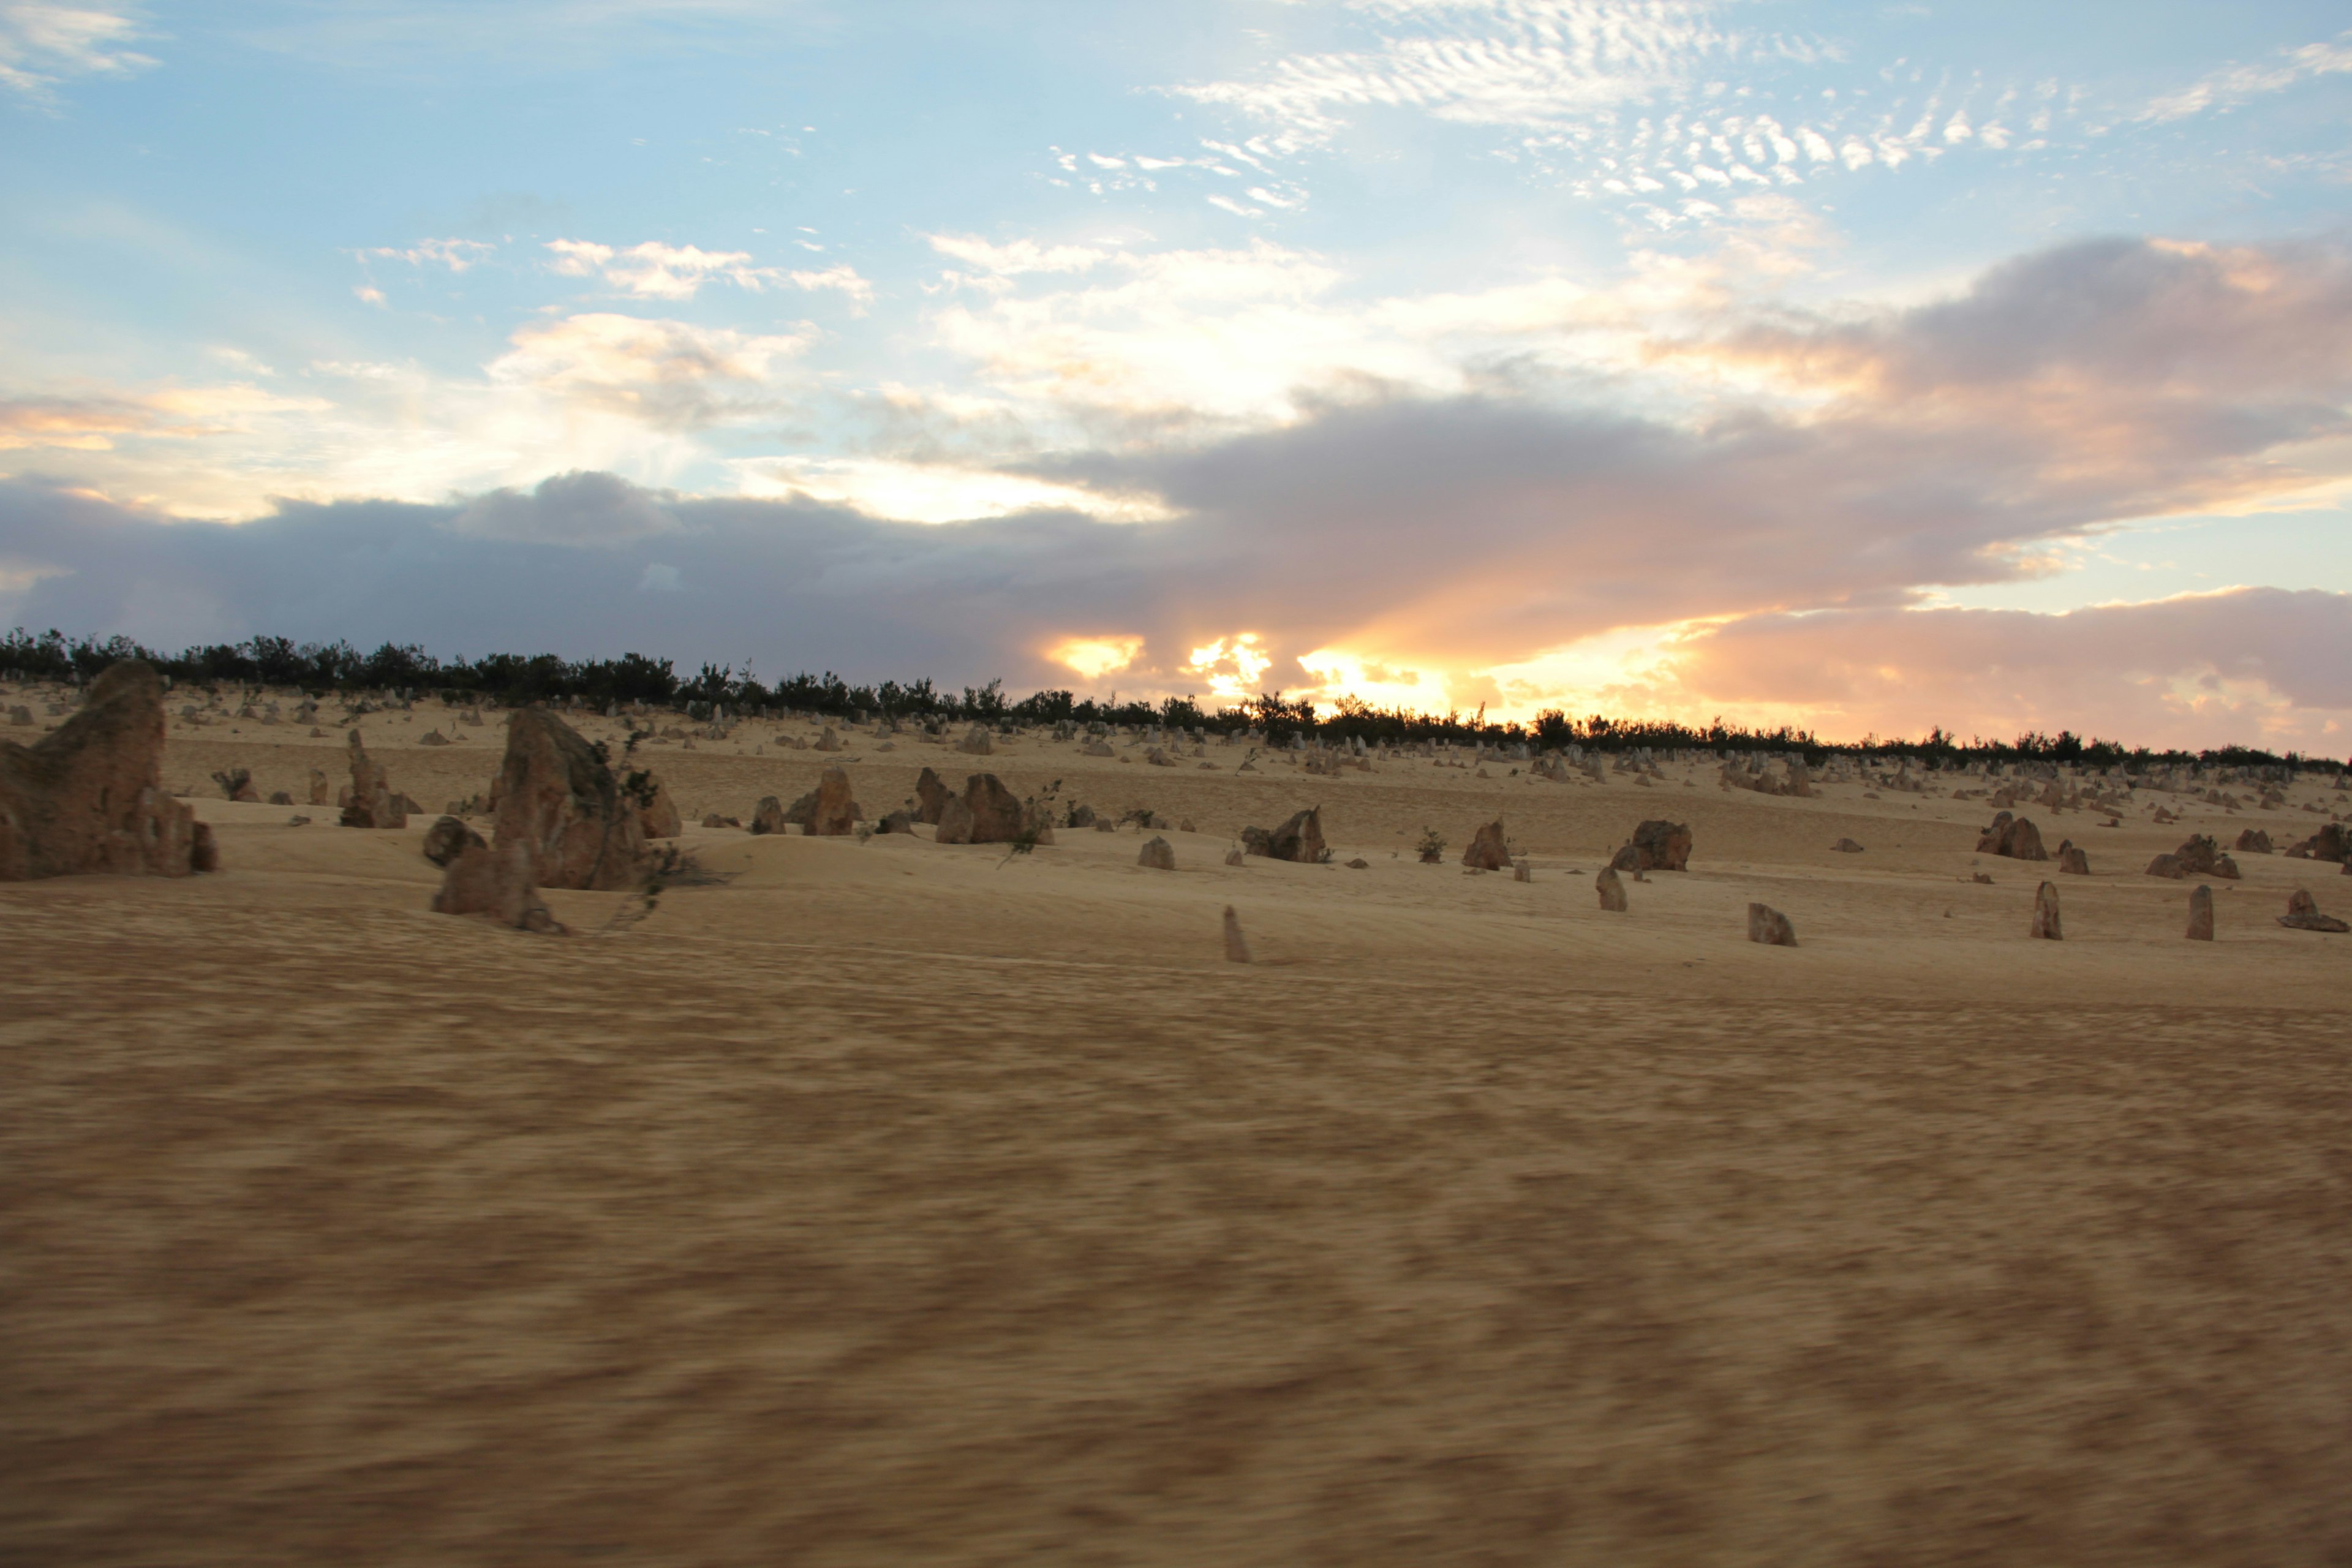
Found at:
[2015, 837]
[931, 796]
[88, 796]
[557, 798]
[2333, 842]
[1300, 839]
[997, 815]
[832, 813]
[1487, 851]
[1662, 845]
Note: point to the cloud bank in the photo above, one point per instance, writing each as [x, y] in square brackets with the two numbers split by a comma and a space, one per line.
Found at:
[1768, 553]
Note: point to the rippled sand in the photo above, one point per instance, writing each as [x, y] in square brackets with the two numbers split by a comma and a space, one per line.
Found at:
[890, 1202]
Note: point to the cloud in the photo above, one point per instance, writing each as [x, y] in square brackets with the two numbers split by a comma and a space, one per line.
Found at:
[656, 271]
[2263, 665]
[800, 585]
[457, 255]
[669, 374]
[586, 509]
[2233, 85]
[1531, 536]
[41, 45]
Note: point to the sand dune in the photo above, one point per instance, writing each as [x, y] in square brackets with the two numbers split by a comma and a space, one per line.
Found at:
[887, 1201]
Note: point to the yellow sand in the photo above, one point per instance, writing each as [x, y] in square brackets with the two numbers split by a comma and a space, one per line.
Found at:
[894, 1202]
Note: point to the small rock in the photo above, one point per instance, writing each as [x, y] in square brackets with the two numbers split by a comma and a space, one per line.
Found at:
[446, 838]
[1846, 846]
[1236, 949]
[1770, 926]
[2200, 915]
[2045, 913]
[2303, 915]
[1158, 855]
[1611, 889]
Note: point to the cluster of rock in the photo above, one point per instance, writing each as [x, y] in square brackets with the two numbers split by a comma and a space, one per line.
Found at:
[562, 820]
[2199, 857]
[2014, 836]
[1299, 840]
[88, 796]
[1657, 846]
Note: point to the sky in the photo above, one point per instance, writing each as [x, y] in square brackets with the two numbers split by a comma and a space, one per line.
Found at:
[1867, 368]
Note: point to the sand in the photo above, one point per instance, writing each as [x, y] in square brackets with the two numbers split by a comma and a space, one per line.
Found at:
[895, 1202]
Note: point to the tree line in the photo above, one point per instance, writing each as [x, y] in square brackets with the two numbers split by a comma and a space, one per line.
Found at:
[517, 679]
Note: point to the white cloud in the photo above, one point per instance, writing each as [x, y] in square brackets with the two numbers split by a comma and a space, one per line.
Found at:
[669, 374]
[656, 271]
[1020, 256]
[457, 255]
[41, 45]
[2233, 85]
[934, 493]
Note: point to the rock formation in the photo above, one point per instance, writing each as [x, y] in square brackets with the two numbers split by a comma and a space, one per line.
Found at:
[446, 838]
[2072, 861]
[2200, 915]
[978, 742]
[2303, 915]
[88, 796]
[1661, 846]
[828, 741]
[955, 822]
[1846, 846]
[557, 797]
[370, 802]
[768, 816]
[1236, 949]
[1770, 926]
[1300, 839]
[2198, 854]
[995, 812]
[897, 821]
[2333, 842]
[1158, 855]
[2168, 866]
[1487, 851]
[2045, 913]
[2015, 837]
[2252, 841]
[321, 794]
[832, 815]
[930, 795]
[497, 884]
[1611, 889]
[659, 813]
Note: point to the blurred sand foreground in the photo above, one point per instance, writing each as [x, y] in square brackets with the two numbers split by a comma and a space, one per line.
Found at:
[893, 1201]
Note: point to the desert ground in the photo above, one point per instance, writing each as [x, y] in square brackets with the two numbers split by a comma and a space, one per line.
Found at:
[873, 1200]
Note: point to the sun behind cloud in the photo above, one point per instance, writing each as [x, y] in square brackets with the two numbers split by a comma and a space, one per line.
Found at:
[1096, 657]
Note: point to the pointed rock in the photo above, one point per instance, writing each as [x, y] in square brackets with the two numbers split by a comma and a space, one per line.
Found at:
[1158, 855]
[558, 799]
[1612, 888]
[2200, 915]
[1236, 949]
[832, 815]
[2045, 913]
[88, 796]
[1487, 851]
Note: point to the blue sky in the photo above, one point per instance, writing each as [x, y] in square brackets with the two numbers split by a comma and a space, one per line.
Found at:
[1792, 361]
